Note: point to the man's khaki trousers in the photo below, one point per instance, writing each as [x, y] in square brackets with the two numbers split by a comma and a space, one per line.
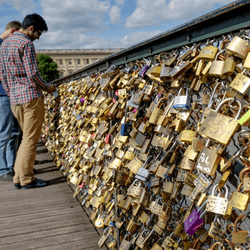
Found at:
[30, 117]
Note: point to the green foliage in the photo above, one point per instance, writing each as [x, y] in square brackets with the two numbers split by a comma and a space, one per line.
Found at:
[47, 67]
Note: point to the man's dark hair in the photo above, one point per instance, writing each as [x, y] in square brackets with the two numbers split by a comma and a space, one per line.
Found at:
[13, 25]
[34, 20]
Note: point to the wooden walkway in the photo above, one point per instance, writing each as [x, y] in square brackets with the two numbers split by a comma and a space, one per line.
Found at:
[46, 218]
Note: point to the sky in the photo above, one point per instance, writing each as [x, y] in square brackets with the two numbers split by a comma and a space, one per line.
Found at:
[102, 24]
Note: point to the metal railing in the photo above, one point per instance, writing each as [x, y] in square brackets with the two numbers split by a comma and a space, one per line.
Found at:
[230, 19]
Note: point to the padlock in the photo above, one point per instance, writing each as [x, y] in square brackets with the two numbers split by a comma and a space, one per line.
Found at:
[165, 70]
[125, 243]
[229, 66]
[239, 236]
[156, 70]
[170, 244]
[157, 112]
[135, 189]
[246, 182]
[241, 83]
[140, 239]
[157, 245]
[163, 118]
[208, 52]
[220, 127]
[180, 69]
[182, 102]
[202, 183]
[239, 47]
[217, 230]
[208, 160]
[194, 221]
[140, 139]
[240, 200]
[126, 127]
[168, 186]
[143, 174]
[217, 66]
[217, 204]
[105, 236]
[187, 136]
[205, 96]
[156, 207]
[145, 68]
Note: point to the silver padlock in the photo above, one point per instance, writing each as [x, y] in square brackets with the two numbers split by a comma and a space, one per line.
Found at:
[143, 173]
[182, 101]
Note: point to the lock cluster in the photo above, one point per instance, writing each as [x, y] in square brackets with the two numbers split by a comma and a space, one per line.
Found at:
[158, 150]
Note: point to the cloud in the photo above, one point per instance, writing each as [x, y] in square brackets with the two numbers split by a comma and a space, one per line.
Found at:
[149, 13]
[120, 2]
[115, 15]
[26, 6]
[82, 16]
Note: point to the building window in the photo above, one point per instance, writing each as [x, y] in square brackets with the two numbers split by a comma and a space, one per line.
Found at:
[78, 61]
[70, 71]
[61, 61]
[87, 61]
[61, 74]
[70, 61]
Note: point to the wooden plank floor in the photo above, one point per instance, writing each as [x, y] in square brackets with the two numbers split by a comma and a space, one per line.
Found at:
[46, 218]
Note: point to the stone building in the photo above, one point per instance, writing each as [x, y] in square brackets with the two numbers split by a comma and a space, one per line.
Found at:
[70, 60]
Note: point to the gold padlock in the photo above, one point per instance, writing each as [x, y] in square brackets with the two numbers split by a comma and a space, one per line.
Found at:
[239, 47]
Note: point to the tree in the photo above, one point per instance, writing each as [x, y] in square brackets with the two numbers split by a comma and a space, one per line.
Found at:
[47, 67]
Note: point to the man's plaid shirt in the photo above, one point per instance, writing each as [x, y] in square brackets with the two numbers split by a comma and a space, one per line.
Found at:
[19, 71]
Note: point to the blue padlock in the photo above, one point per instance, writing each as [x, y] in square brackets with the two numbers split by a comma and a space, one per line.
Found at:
[182, 102]
[126, 127]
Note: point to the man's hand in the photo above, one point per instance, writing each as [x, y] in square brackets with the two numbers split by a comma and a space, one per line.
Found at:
[52, 89]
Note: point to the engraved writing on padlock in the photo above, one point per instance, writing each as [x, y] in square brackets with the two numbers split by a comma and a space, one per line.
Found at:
[202, 183]
[220, 127]
[217, 204]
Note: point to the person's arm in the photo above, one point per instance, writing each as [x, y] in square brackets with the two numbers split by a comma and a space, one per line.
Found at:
[3, 81]
[32, 71]
[3, 77]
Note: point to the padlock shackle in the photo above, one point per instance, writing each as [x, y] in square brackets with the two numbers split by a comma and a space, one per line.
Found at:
[147, 160]
[212, 96]
[241, 217]
[239, 186]
[202, 206]
[162, 99]
[216, 186]
[219, 54]
[216, 244]
[230, 100]
[169, 107]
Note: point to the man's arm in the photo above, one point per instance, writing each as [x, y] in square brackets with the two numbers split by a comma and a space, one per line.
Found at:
[32, 71]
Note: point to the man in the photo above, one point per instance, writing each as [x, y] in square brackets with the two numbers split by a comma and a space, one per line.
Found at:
[9, 127]
[24, 84]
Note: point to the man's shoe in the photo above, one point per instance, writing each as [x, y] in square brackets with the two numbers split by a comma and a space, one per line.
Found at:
[17, 185]
[7, 177]
[36, 183]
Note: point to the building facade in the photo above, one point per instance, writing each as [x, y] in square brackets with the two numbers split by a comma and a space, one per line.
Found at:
[70, 60]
